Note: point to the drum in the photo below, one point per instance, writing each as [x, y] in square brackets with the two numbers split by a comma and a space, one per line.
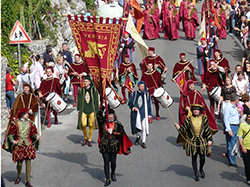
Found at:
[56, 102]
[163, 97]
[215, 93]
[111, 97]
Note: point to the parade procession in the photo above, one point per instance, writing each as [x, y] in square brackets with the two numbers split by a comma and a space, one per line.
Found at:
[141, 84]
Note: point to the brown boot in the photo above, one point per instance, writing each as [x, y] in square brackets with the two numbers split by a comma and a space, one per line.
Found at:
[137, 140]
[28, 184]
[18, 179]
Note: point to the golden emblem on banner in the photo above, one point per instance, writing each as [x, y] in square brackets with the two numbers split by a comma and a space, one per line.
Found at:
[95, 49]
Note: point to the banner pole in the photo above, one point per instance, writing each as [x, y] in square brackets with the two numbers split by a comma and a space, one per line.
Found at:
[19, 55]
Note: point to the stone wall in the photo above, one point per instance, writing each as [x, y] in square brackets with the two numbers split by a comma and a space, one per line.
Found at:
[4, 114]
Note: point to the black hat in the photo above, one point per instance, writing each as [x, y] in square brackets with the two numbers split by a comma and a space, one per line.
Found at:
[111, 111]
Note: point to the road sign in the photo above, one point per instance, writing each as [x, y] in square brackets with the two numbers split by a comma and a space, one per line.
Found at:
[18, 35]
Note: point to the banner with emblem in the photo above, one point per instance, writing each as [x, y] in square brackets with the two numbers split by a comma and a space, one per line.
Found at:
[180, 80]
[97, 43]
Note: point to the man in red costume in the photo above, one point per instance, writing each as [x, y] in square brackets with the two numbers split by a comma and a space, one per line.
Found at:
[188, 71]
[221, 61]
[48, 86]
[190, 20]
[221, 15]
[127, 76]
[212, 78]
[156, 60]
[152, 78]
[171, 23]
[183, 6]
[151, 22]
[191, 96]
[20, 136]
[76, 72]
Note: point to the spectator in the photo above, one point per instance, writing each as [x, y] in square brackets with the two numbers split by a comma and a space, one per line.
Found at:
[246, 105]
[246, 68]
[233, 18]
[10, 82]
[48, 57]
[244, 140]
[234, 76]
[227, 8]
[39, 74]
[240, 84]
[243, 29]
[65, 53]
[246, 55]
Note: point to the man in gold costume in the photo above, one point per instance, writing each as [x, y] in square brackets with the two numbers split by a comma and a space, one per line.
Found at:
[87, 106]
[199, 137]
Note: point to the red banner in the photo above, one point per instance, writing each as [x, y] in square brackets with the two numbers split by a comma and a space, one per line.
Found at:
[97, 44]
[180, 80]
[216, 21]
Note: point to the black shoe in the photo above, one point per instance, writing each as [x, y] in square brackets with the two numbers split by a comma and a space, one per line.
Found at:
[196, 178]
[137, 141]
[233, 165]
[202, 173]
[113, 178]
[143, 145]
[108, 182]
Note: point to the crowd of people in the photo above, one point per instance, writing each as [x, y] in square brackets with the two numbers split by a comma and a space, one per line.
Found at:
[228, 94]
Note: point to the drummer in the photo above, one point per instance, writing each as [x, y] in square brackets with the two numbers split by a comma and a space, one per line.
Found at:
[152, 78]
[49, 85]
[212, 79]
[87, 107]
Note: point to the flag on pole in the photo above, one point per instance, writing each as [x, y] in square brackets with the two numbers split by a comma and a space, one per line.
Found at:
[202, 31]
[180, 80]
[130, 28]
[138, 15]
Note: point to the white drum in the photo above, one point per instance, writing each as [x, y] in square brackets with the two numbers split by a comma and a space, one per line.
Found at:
[111, 97]
[163, 97]
[215, 93]
[56, 102]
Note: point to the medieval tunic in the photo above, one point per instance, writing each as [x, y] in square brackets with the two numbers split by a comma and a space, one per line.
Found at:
[172, 24]
[190, 20]
[198, 134]
[50, 85]
[151, 27]
[189, 75]
[23, 100]
[124, 75]
[142, 101]
[223, 62]
[87, 103]
[23, 132]
[155, 60]
[79, 68]
[202, 57]
[152, 80]
[195, 97]
[183, 6]
[222, 20]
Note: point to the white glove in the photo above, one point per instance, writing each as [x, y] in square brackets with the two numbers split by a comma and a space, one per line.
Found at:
[84, 74]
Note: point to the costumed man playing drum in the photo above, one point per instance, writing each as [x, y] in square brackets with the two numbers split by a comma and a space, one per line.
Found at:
[112, 140]
[199, 138]
[49, 85]
[127, 76]
[76, 71]
[154, 59]
[188, 97]
[152, 78]
[186, 67]
[213, 80]
[140, 105]
[87, 106]
[222, 62]
[19, 139]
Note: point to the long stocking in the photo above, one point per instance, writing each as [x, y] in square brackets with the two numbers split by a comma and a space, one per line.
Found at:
[157, 107]
[106, 159]
[194, 163]
[124, 93]
[113, 162]
[19, 168]
[48, 116]
[55, 114]
[28, 169]
[202, 161]
[91, 120]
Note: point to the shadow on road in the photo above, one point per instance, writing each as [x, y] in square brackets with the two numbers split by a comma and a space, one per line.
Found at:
[180, 170]
[172, 140]
[77, 139]
[12, 175]
[234, 176]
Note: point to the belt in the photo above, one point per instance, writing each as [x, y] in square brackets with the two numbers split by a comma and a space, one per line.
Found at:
[234, 124]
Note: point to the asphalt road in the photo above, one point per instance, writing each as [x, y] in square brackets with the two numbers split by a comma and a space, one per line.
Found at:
[63, 162]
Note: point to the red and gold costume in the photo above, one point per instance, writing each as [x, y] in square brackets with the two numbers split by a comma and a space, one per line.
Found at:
[127, 77]
[76, 80]
[48, 86]
[155, 60]
[189, 75]
[153, 81]
[223, 62]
